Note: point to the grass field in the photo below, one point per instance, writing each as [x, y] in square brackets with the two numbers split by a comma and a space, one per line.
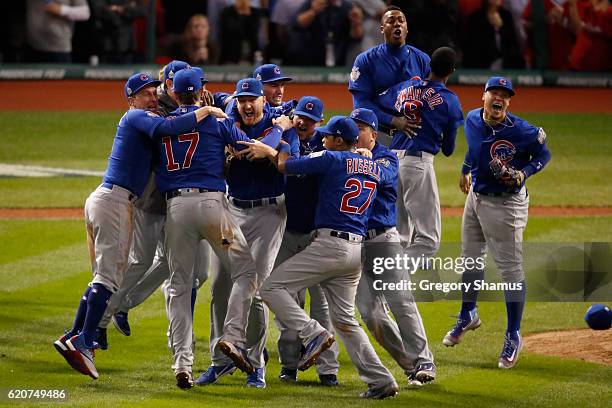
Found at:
[44, 268]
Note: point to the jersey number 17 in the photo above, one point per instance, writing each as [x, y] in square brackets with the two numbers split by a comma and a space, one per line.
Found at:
[192, 138]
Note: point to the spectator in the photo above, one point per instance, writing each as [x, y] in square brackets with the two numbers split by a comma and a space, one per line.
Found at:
[194, 45]
[591, 21]
[490, 40]
[373, 11]
[113, 25]
[50, 26]
[329, 27]
[282, 16]
[434, 24]
[178, 13]
[239, 32]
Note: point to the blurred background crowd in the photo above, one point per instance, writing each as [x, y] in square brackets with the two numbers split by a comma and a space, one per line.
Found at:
[489, 34]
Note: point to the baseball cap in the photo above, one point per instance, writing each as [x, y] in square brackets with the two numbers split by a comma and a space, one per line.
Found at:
[500, 82]
[270, 73]
[341, 126]
[366, 116]
[249, 87]
[311, 107]
[187, 80]
[202, 74]
[599, 317]
[138, 81]
[173, 67]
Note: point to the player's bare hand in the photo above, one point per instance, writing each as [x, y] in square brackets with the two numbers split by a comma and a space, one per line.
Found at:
[465, 182]
[402, 123]
[53, 8]
[256, 150]
[205, 111]
[364, 152]
[283, 121]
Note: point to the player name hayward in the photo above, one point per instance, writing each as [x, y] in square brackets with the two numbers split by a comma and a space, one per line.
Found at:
[446, 287]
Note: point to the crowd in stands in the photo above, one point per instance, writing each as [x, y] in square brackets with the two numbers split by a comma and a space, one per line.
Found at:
[489, 34]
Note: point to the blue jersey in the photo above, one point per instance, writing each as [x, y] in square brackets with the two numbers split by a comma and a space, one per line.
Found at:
[381, 67]
[231, 109]
[346, 191]
[301, 191]
[383, 214]
[197, 159]
[517, 143]
[431, 105]
[252, 180]
[129, 164]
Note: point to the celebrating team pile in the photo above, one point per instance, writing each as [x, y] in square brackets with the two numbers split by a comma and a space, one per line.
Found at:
[253, 189]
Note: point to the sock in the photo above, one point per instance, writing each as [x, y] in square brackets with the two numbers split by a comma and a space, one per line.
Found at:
[469, 297]
[194, 296]
[96, 306]
[79, 319]
[515, 303]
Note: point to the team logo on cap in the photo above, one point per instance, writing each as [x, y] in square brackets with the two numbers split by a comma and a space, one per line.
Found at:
[355, 113]
[144, 77]
[277, 70]
[245, 86]
[309, 106]
[502, 81]
[503, 150]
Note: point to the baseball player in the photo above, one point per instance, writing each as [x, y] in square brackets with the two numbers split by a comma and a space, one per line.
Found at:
[347, 188]
[379, 68]
[437, 112]
[301, 200]
[503, 151]
[190, 174]
[109, 213]
[257, 203]
[404, 338]
[148, 266]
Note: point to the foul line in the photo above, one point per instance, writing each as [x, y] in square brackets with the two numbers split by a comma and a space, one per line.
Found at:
[22, 170]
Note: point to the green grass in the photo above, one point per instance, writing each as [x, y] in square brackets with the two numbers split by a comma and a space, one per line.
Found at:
[577, 175]
[44, 268]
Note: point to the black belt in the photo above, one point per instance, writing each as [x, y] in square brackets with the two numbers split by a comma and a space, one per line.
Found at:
[244, 204]
[498, 194]
[415, 153]
[374, 232]
[344, 235]
[110, 186]
[176, 193]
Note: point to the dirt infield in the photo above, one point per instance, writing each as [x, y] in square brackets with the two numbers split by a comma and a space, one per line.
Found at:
[446, 211]
[586, 344]
[108, 95]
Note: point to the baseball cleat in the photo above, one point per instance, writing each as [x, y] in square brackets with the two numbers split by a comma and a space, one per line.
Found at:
[461, 327]
[257, 379]
[425, 373]
[61, 347]
[314, 348]
[328, 380]
[513, 343]
[288, 375]
[101, 338]
[120, 321]
[385, 391]
[238, 356]
[80, 357]
[184, 380]
[213, 374]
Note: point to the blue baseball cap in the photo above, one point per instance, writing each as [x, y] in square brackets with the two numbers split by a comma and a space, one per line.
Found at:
[599, 317]
[341, 126]
[366, 116]
[270, 73]
[202, 74]
[187, 80]
[138, 81]
[311, 107]
[173, 67]
[501, 83]
[249, 87]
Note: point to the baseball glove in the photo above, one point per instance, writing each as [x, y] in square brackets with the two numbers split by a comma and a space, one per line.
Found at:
[506, 175]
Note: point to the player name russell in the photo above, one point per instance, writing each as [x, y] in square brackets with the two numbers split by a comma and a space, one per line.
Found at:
[447, 287]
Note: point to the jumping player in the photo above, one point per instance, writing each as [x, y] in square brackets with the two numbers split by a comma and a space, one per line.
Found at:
[503, 151]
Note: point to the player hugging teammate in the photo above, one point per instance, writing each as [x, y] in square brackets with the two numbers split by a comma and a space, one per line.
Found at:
[287, 206]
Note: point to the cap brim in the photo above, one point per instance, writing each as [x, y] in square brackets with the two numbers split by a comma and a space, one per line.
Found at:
[285, 79]
[154, 82]
[512, 93]
[246, 94]
[308, 115]
[324, 130]
[365, 122]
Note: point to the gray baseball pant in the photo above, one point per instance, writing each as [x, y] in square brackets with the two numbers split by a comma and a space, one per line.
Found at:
[335, 264]
[289, 343]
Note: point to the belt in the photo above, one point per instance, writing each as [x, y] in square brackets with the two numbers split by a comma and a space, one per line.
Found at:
[415, 153]
[498, 194]
[184, 191]
[374, 232]
[347, 236]
[244, 204]
[131, 196]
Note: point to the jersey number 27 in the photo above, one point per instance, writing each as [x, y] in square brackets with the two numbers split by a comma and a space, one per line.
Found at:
[356, 186]
[192, 138]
